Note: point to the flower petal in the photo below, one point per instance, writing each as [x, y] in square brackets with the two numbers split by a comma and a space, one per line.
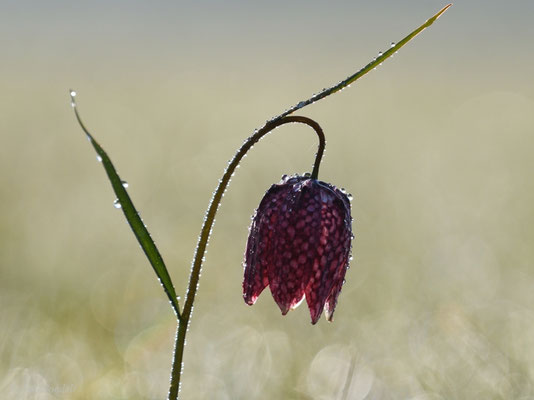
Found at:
[333, 250]
[259, 253]
[294, 248]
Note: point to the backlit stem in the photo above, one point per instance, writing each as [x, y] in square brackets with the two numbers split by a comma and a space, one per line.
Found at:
[281, 119]
[208, 224]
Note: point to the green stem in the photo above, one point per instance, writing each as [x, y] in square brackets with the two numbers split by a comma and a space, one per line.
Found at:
[206, 231]
[212, 210]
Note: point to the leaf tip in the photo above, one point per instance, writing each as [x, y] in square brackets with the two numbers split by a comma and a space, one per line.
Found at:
[440, 12]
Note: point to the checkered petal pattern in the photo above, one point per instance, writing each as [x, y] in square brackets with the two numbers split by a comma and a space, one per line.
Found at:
[299, 245]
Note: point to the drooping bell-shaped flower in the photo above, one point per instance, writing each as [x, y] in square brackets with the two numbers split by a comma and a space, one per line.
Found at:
[299, 245]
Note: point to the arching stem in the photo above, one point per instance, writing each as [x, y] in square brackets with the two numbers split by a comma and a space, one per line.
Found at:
[208, 224]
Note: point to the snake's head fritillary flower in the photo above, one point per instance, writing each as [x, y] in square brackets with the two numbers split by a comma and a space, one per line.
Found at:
[299, 245]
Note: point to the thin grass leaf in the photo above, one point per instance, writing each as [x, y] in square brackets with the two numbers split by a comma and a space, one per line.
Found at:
[369, 67]
[132, 216]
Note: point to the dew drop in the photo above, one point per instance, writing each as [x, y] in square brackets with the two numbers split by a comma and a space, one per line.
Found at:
[72, 96]
[98, 158]
[124, 184]
[350, 197]
[301, 104]
[117, 204]
[380, 53]
[393, 44]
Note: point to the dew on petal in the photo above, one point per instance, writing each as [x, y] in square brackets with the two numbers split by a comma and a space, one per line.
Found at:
[299, 245]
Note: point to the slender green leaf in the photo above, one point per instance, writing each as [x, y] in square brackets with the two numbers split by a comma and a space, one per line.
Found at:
[132, 216]
[369, 67]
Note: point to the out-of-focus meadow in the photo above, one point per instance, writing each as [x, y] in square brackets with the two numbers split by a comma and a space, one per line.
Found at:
[435, 145]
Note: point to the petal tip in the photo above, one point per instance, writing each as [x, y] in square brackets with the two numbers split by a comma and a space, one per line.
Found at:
[250, 300]
[315, 316]
[329, 316]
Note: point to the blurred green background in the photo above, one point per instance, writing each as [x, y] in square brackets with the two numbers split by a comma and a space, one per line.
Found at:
[435, 145]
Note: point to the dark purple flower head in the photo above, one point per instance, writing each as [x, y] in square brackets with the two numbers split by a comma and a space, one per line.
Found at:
[299, 244]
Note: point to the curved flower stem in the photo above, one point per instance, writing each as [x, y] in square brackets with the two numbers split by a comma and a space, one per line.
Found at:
[208, 224]
[281, 119]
